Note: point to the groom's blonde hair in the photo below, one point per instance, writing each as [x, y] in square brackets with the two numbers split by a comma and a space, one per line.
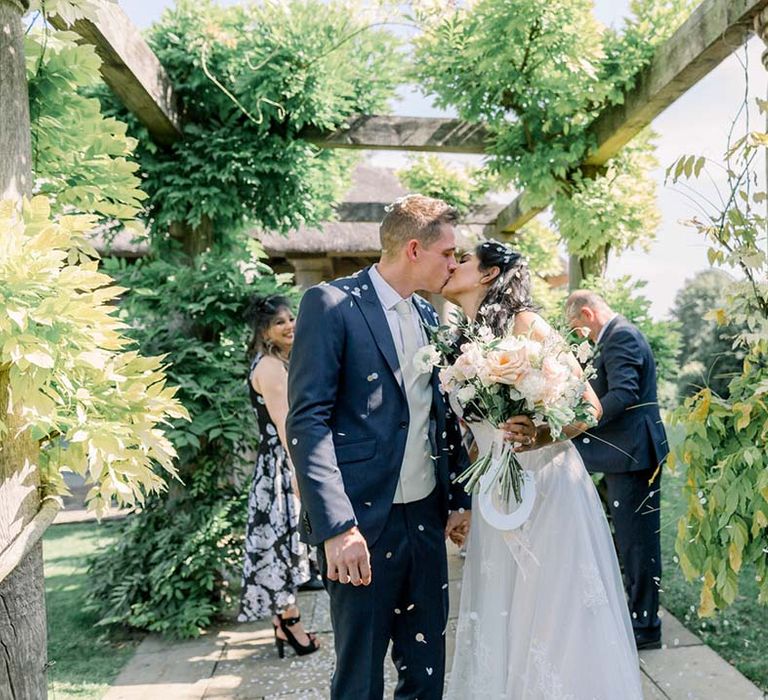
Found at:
[414, 217]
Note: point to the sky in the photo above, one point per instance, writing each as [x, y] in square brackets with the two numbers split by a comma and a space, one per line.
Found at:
[697, 123]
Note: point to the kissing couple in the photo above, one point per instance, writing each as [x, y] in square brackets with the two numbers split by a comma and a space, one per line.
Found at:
[376, 445]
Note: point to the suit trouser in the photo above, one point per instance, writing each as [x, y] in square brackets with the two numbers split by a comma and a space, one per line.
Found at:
[407, 602]
[634, 507]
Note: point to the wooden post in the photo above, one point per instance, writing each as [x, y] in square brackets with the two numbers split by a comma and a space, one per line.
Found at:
[312, 270]
[23, 643]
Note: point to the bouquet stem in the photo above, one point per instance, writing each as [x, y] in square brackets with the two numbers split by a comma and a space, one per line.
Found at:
[506, 470]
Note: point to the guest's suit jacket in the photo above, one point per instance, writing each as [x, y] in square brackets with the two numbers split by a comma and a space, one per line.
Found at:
[630, 435]
[348, 413]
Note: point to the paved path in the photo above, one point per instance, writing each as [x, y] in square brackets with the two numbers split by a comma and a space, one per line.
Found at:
[239, 661]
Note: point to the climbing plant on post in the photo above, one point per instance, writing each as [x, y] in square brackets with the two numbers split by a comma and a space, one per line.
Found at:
[538, 75]
[252, 78]
[723, 535]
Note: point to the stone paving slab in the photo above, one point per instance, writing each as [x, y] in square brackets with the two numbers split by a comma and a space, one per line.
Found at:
[167, 670]
[697, 673]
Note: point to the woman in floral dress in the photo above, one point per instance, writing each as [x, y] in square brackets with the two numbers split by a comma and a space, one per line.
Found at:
[276, 562]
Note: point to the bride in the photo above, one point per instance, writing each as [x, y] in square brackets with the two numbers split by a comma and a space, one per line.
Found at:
[543, 614]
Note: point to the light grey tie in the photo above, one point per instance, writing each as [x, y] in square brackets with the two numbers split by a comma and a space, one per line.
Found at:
[409, 334]
[417, 472]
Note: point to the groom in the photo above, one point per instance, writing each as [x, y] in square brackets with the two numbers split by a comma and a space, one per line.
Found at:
[375, 446]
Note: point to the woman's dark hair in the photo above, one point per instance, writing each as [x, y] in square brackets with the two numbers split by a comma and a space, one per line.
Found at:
[260, 315]
[510, 292]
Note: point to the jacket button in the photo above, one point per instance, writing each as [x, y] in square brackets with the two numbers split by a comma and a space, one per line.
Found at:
[403, 424]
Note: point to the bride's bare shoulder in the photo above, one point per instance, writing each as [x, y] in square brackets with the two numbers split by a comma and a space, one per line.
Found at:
[530, 323]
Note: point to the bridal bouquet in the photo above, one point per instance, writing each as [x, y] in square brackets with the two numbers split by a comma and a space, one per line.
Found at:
[496, 378]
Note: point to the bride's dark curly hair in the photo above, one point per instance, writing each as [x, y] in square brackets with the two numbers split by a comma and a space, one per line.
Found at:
[510, 291]
[260, 315]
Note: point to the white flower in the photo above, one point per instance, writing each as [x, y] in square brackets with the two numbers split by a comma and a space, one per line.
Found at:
[426, 358]
[584, 352]
[466, 394]
[449, 379]
[533, 386]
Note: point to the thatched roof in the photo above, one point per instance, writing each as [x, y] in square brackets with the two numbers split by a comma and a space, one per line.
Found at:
[356, 231]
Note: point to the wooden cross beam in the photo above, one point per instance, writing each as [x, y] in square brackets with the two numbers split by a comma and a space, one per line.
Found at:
[132, 70]
[404, 134]
[712, 32]
[136, 76]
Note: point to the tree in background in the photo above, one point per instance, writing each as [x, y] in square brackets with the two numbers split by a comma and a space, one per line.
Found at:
[462, 188]
[624, 295]
[707, 355]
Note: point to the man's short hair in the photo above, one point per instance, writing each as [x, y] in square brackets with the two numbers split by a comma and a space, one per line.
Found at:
[414, 216]
[582, 298]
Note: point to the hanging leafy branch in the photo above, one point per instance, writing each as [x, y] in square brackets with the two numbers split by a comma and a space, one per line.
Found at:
[82, 160]
[724, 534]
[96, 408]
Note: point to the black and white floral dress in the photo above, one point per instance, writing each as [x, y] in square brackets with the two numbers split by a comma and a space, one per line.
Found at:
[276, 562]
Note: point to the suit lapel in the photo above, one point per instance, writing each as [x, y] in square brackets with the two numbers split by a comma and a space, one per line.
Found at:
[428, 319]
[604, 340]
[370, 306]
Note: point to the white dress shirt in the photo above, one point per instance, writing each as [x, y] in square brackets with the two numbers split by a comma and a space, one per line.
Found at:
[389, 297]
[602, 330]
[417, 471]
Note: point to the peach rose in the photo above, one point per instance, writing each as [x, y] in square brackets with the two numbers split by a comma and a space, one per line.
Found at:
[508, 366]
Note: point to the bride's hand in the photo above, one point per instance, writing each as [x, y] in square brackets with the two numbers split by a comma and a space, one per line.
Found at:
[520, 430]
[457, 527]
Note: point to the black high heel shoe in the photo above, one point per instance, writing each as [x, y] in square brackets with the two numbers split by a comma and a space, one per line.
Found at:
[300, 649]
[279, 643]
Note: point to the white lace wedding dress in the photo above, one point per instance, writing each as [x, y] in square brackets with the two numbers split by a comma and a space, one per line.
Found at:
[543, 614]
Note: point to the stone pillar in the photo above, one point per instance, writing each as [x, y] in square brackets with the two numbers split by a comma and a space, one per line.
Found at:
[311, 270]
[15, 134]
[23, 643]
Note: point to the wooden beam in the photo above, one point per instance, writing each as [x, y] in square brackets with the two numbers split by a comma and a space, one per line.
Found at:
[713, 31]
[136, 76]
[391, 133]
[132, 70]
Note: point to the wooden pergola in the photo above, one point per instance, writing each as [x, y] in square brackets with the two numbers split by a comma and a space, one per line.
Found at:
[714, 30]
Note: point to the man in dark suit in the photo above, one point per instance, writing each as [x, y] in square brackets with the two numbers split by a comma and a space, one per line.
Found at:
[628, 446]
[375, 447]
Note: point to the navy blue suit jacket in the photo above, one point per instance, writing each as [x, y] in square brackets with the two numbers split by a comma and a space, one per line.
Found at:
[630, 435]
[348, 413]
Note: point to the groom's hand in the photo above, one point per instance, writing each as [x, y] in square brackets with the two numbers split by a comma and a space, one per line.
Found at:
[457, 527]
[348, 558]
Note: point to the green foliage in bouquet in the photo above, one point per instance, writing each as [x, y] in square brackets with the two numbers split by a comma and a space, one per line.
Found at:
[170, 567]
[538, 74]
[624, 295]
[95, 406]
[720, 442]
[252, 78]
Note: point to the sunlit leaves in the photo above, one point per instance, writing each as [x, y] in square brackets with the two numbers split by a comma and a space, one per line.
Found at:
[96, 408]
[81, 160]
